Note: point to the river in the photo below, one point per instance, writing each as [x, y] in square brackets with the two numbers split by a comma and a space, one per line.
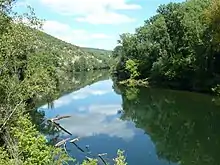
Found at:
[152, 126]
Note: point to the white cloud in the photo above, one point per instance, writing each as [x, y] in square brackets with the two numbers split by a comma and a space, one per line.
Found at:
[78, 95]
[68, 34]
[106, 18]
[93, 11]
[94, 121]
[89, 119]
[86, 92]
[100, 36]
[104, 109]
[55, 27]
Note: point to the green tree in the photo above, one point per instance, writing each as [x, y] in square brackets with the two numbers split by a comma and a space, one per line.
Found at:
[174, 47]
[132, 67]
[32, 67]
[213, 18]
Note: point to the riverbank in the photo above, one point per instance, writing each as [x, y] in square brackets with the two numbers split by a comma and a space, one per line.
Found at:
[169, 50]
[165, 85]
[133, 82]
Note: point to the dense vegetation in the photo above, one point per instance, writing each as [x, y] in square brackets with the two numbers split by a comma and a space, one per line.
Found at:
[72, 57]
[97, 51]
[104, 55]
[178, 47]
[32, 67]
[182, 125]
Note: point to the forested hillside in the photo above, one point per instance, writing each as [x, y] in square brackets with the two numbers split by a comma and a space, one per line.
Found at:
[97, 51]
[105, 55]
[32, 67]
[73, 57]
[178, 47]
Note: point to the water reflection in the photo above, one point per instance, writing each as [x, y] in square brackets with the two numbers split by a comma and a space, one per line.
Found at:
[91, 112]
[70, 83]
[182, 125]
[81, 94]
[95, 117]
[156, 126]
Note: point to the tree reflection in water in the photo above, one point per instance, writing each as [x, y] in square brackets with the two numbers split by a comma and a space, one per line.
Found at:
[182, 125]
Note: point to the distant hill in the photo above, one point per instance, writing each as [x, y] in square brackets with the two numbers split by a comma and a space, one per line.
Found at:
[97, 51]
[71, 56]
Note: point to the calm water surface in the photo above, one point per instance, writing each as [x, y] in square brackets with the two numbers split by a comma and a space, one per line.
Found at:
[156, 127]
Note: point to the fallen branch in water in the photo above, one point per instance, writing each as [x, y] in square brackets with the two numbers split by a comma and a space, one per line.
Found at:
[100, 156]
[79, 148]
[59, 118]
[62, 142]
[58, 125]
[73, 141]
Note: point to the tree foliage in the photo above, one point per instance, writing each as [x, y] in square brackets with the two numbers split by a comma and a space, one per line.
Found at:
[178, 47]
[132, 67]
[32, 66]
[213, 18]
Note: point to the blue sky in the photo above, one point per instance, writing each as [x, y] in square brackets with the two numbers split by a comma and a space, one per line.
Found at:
[92, 23]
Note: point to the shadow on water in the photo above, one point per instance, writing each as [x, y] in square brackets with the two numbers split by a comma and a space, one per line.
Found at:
[183, 126]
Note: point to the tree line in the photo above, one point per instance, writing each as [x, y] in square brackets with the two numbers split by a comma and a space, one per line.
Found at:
[179, 47]
[32, 67]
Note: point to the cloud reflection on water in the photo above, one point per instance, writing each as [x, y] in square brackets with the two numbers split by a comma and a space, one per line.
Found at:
[93, 123]
[83, 93]
[91, 116]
